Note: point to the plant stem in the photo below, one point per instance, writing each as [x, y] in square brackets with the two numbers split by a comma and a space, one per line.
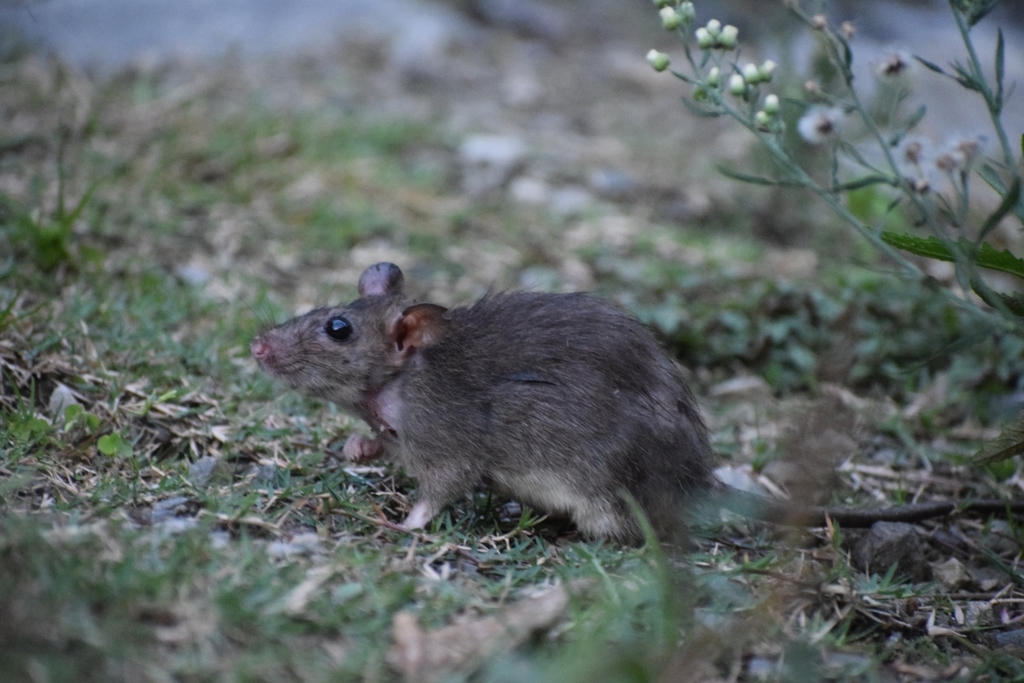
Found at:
[981, 82]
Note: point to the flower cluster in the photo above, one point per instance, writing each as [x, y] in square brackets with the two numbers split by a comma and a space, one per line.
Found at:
[714, 39]
[923, 163]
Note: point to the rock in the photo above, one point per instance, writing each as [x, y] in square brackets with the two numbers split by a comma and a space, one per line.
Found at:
[200, 471]
[1011, 643]
[300, 544]
[522, 89]
[61, 398]
[263, 474]
[760, 668]
[530, 191]
[578, 274]
[176, 525]
[528, 18]
[420, 49]
[888, 543]
[951, 574]
[1012, 640]
[1001, 538]
[613, 185]
[219, 539]
[172, 508]
[977, 613]
[489, 162]
[570, 201]
[307, 188]
[988, 578]
[192, 274]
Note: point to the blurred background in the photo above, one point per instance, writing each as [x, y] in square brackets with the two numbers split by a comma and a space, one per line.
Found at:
[266, 152]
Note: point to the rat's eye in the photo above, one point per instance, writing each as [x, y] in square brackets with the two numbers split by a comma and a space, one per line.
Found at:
[338, 329]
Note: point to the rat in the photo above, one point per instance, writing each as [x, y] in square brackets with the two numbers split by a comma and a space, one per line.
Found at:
[566, 402]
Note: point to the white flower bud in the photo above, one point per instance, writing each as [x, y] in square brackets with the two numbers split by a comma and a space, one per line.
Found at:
[687, 12]
[714, 27]
[771, 104]
[750, 74]
[727, 38]
[662, 3]
[714, 77]
[762, 119]
[704, 38]
[737, 86]
[767, 70]
[670, 19]
[659, 60]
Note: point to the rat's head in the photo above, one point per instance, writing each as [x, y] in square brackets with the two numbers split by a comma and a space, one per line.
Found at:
[344, 353]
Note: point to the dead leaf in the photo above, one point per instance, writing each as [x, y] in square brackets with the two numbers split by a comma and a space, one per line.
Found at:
[433, 655]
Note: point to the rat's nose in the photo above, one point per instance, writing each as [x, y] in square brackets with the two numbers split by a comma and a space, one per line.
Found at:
[261, 350]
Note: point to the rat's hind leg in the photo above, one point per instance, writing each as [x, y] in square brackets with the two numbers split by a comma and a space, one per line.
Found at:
[438, 488]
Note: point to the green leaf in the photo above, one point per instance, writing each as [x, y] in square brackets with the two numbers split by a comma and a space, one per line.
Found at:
[1009, 444]
[866, 181]
[1014, 303]
[985, 257]
[681, 76]
[929, 248]
[69, 218]
[7, 314]
[914, 119]
[965, 77]
[931, 65]
[974, 10]
[1001, 260]
[847, 54]
[30, 429]
[1000, 69]
[114, 445]
[991, 176]
[71, 412]
[1008, 204]
[753, 179]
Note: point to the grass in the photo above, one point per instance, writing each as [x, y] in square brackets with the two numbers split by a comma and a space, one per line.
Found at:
[184, 519]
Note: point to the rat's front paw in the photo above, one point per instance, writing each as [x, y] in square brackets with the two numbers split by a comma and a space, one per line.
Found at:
[359, 448]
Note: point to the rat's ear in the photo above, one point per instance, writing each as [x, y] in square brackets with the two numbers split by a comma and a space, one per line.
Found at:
[381, 278]
[419, 326]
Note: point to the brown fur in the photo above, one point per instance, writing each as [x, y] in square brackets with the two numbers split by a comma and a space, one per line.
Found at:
[563, 400]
